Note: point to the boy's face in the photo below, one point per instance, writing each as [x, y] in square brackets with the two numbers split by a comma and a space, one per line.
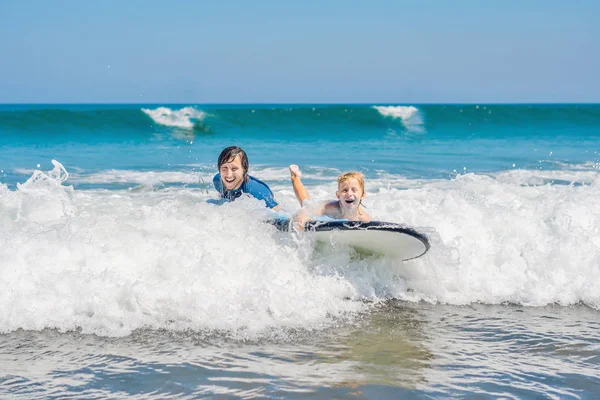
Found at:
[349, 194]
[232, 173]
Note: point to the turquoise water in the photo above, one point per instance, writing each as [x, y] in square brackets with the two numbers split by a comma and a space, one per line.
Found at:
[118, 279]
[424, 142]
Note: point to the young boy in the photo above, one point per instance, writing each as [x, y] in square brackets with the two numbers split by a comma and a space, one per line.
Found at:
[351, 191]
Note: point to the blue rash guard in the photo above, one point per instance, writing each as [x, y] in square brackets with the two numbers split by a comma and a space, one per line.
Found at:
[253, 187]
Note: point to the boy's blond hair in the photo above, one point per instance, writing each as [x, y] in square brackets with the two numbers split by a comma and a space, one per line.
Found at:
[352, 174]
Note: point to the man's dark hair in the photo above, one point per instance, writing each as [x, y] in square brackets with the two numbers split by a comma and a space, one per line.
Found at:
[229, 154]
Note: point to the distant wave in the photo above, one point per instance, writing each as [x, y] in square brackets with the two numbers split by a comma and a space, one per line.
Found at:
[185, 118]
[128, 118]
[105, 120]
[410, 115]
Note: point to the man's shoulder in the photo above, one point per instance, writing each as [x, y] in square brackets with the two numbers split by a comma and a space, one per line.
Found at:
[260, 190]
[256, 184]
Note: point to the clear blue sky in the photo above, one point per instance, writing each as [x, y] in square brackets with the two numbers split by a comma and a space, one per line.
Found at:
[299, 51]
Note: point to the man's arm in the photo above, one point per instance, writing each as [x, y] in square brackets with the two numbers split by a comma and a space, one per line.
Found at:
[217, 183]
[261, 191]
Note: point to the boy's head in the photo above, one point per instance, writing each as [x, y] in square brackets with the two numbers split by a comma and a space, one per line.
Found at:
[351, 189]
[352, 175]
[233, 167]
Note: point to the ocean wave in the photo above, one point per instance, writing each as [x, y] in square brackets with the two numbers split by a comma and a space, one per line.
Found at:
[186, 117]
[265, 119]
[110, 262]
[120, 120]
[410, 115]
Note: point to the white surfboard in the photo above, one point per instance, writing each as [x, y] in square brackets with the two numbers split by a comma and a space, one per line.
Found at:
[376, 237]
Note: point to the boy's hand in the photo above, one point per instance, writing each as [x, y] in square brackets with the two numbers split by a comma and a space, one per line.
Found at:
[300, 221]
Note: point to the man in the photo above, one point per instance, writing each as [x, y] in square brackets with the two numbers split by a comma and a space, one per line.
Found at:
[233, 180]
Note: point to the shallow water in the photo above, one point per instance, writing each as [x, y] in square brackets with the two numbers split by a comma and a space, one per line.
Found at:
[396, 349]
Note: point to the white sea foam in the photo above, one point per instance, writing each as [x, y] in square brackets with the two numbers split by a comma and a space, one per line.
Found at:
[183, 118]
[590, 165]
[149, 178]
[109, 262]
[308, 172]
[410, 116]
[543, 177]
[204, 173]
[497, 241]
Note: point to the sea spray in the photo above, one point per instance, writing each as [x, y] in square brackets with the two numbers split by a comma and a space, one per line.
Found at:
[119, 261]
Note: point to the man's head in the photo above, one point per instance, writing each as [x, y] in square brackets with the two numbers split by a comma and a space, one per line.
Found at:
[233, 167]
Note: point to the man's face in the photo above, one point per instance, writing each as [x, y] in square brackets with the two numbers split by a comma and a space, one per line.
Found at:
[232, 173]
